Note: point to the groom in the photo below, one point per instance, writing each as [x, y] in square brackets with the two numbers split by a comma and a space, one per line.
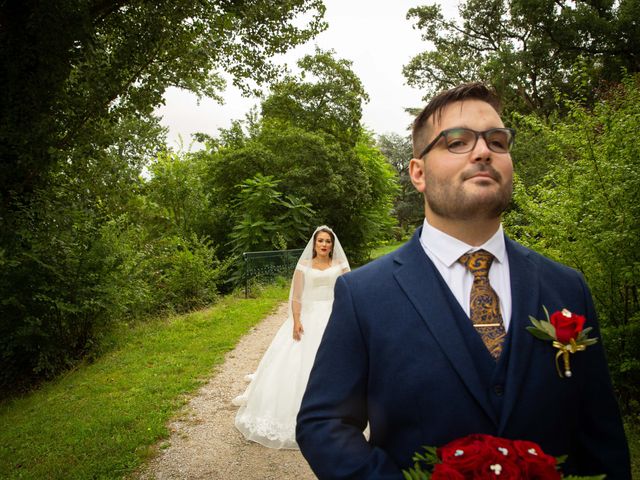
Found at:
[429, 344]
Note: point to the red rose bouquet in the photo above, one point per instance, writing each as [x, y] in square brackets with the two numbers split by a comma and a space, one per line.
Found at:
[481, 457]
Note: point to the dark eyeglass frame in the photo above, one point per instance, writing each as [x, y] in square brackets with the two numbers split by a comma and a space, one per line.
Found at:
[484, 134]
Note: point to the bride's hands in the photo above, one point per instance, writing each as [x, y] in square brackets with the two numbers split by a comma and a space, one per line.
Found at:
[297, 330]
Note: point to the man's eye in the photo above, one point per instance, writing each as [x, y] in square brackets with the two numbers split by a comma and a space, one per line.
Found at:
[499, 141]
[457, 143]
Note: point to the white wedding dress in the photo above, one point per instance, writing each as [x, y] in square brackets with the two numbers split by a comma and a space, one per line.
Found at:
[270, 404]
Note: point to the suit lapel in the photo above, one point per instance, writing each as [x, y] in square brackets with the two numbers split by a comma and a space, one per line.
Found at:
[525, 293]
[417, 276]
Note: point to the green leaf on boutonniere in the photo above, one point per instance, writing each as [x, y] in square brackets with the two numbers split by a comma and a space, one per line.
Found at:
[546, 312]
[542, 330]
[539, 334]
[585, 331]
[549, 328]
[582, 338]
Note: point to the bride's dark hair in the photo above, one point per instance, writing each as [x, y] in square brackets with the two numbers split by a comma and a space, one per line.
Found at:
[333, 241]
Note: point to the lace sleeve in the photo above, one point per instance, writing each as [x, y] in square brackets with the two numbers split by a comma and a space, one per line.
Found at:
[297, 288]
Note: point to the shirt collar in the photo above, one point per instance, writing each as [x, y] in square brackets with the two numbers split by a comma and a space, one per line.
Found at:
[449, 249]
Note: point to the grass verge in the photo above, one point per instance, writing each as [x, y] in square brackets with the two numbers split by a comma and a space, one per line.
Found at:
[384, 249]
[101, 420]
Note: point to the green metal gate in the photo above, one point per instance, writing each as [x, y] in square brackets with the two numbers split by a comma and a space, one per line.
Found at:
[269, 264]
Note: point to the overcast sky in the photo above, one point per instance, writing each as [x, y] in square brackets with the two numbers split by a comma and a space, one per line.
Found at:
[374, 34]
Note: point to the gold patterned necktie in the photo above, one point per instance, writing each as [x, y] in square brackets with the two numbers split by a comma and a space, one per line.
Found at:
[485, 305]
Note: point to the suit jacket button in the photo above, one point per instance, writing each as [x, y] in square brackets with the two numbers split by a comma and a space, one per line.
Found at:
[498, 389]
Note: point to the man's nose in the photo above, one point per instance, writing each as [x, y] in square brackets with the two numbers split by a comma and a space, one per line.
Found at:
[481, 151]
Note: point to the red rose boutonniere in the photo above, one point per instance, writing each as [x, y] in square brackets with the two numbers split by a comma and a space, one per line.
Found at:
[566, 332]
[480, 456]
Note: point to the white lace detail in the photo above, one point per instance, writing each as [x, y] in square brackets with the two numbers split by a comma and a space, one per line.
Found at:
[270, 431]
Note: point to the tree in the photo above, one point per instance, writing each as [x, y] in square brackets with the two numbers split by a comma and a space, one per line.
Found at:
[375, 219]
[408, 205]
[326, 97]
[310, 165]
[80, 81]
[316, 149]
[528, 49]
[72, 68]
[176, 189]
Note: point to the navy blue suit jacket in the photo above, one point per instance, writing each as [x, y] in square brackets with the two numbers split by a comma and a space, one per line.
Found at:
[395, 354]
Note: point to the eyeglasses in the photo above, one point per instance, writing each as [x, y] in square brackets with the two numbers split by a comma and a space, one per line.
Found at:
[463, 140]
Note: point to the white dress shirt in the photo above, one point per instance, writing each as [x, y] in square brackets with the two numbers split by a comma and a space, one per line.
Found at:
[445, 250]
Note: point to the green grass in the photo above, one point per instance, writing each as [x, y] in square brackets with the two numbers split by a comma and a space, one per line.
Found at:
[102, 420]
[384, 249]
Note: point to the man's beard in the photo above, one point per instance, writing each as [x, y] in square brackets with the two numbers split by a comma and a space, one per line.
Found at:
[452, 201]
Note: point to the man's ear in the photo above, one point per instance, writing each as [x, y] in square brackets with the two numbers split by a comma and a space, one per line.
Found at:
[417, 174]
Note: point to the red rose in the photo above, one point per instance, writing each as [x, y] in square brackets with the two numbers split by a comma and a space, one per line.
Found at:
[465, 454]
[532, 452]
[568, 325]
[443, 471]
[499, 467]
[540, 471]
[503, 447]
[537, 464]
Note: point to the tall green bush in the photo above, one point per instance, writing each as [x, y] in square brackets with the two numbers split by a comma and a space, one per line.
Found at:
[148, 274]
[266, 219]
[188, 273]
[585, 212]
[75, 274]
[50, 288]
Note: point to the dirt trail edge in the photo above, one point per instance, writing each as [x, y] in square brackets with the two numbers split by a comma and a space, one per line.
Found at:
[204, 444]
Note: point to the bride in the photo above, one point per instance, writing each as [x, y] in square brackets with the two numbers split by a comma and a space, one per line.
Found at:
[269, 406]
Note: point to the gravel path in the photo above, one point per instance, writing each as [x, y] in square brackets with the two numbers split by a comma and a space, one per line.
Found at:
[204, 443]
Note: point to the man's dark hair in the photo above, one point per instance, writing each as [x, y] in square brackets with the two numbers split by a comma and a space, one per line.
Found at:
[466, 91]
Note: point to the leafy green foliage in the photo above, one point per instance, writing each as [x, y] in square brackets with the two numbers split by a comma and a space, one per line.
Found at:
[187, 272]
[585, 212]
[408, 204]
[317, 151]
[77, 278]
[70, 71]
[528, 49]
[267, 219]
[177, 195]
[331, 102]
[374, 222]
[84, 241]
